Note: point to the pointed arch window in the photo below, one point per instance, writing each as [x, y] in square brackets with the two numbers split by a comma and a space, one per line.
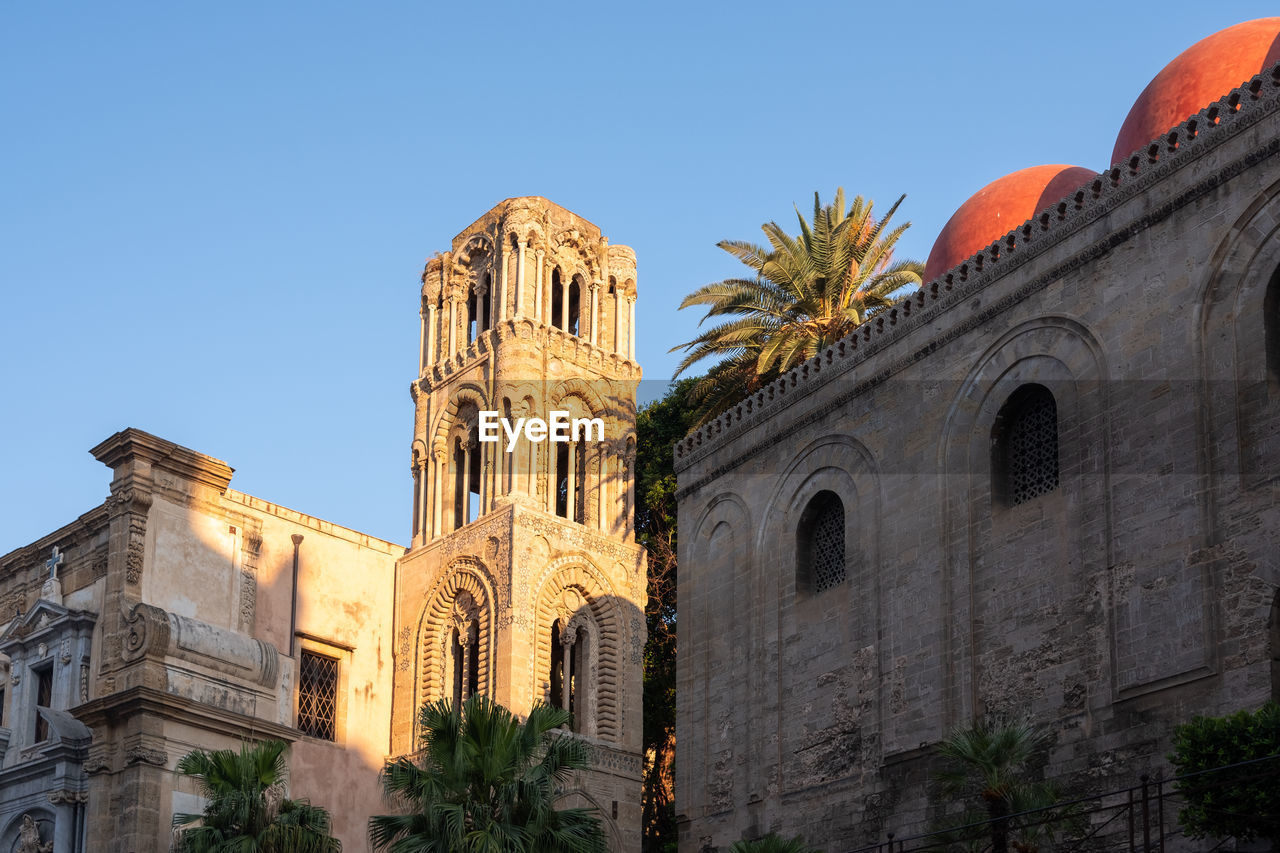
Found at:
[820, 557]
[571, 464]
[466, 478]
[569, 686]
[1025, 459]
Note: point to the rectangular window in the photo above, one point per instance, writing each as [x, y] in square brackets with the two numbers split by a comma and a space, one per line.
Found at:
[44, 699]
[318, 696]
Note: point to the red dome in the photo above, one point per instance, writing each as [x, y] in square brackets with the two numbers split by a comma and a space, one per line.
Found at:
[1199, 75]
[998, 208]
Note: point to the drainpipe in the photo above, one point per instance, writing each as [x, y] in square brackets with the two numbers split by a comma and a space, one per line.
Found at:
[293, 603]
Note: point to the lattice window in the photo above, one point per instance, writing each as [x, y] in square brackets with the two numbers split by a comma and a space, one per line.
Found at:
[1030, 444]
[820, 543]
[318, 696]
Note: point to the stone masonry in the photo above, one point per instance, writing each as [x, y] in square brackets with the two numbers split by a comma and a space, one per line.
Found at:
[1134, 588]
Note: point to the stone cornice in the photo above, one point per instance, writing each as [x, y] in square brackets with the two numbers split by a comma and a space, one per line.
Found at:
[113, 708]
[133, 443]
[1182, 146]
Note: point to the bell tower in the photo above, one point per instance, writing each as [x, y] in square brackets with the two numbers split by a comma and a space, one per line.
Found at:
[524, 581]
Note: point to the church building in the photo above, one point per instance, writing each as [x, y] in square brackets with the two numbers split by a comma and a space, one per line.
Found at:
[1043, 485]
[181, 614]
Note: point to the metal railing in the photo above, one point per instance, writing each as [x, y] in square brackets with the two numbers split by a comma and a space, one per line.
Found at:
[1141, 818]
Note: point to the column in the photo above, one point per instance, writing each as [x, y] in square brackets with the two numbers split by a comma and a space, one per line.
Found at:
[500, 297]
[617, 319]
[520, 279]
[429, 354]
[437, 486]
[631, 331]
[595, 312]
[566, 666]
[422, 340]
[453, 325]
[564, 303]
[571, 499]
[537, 285]
[417, 502]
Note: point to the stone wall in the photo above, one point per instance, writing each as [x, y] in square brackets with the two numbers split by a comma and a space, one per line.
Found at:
[1133, 595]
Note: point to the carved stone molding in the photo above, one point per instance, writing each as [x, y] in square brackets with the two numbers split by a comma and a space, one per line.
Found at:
[140, 754]
[148, 632]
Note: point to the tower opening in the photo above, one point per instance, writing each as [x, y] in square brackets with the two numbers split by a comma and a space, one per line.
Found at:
[557, 300]
[574, 314]
[471, 318]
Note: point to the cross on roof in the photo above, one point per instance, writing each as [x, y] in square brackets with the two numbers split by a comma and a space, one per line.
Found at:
[53, 562]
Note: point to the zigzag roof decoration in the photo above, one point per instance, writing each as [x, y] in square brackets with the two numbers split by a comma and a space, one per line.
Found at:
[1180, 146]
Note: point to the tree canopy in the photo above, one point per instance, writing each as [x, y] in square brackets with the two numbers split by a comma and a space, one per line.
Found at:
[806, 292]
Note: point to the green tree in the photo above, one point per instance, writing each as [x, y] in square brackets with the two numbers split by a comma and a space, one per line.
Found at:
[659, 425]
[807, 292]
[487, 783]
[991, 767]
[1228, 791]
[772, 843]
[247, 811]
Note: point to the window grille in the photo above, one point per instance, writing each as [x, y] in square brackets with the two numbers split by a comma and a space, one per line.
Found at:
[820, 544]
[828, 547]
[318, 696]
[1031, 445]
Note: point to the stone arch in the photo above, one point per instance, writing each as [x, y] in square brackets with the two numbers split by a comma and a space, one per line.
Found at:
[44, 820]
[979, 530]
[466, 578]
[574, 797]
[576, 572]
[1233, 342]
[578, 387]
[718, 634]
[467, 393]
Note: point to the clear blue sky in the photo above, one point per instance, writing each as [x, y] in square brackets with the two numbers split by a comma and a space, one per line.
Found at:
[213, 217]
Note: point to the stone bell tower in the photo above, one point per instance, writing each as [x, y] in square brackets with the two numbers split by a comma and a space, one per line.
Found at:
[524, 581]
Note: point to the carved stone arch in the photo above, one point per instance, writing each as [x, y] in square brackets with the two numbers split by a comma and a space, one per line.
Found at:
[576, 798]
[576, 573]
[476, 245]
[723, 619]
[586, 391]
[466, 585]
[1236, 341]
[418, 452]
[1053, 536]
[468, 393]
[571, 242]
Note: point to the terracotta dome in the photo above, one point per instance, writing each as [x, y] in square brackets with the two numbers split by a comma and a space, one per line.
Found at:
[998, 208]
[1199, 75]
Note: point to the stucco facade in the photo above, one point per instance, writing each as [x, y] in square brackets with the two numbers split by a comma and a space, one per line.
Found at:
[1133, 589]
[175, 621]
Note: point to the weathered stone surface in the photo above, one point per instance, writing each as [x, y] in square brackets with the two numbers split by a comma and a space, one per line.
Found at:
[1132, 595]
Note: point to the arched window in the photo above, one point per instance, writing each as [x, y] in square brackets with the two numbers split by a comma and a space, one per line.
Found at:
[571, 464]
[471, 318]
[820, 561]
[466, 478]
[557, 300]
[1025, 446]
[573, 321]
[486, 298]
[569, 667]
[464, 662]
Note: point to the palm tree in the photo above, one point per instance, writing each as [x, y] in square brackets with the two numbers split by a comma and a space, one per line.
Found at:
[807, 292]
[989, 762]
[247, 809]
[487, 782]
